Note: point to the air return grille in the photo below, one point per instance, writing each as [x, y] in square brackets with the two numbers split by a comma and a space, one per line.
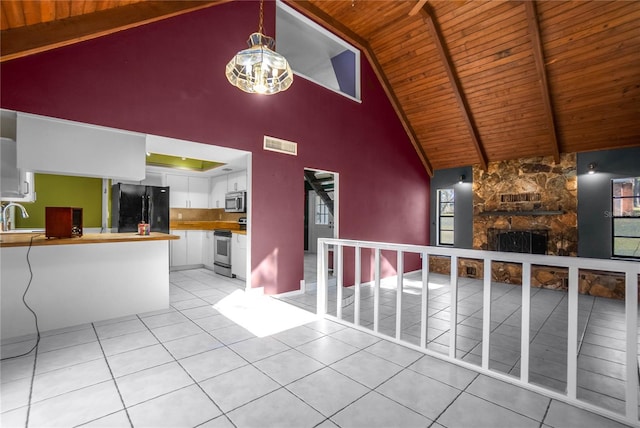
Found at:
[280, 146]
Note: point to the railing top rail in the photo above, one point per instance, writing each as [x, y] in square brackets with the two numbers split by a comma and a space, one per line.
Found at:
[534, 259]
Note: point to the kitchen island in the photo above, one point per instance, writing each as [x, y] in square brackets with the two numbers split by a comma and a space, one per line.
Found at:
[80, 280]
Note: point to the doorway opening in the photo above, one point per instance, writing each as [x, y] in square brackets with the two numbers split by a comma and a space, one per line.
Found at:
[320, 217]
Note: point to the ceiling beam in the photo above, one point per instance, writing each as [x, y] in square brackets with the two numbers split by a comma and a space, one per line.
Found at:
[538, 55]
[22, 41]
[419, 4]
[318, 15]
[428, 16]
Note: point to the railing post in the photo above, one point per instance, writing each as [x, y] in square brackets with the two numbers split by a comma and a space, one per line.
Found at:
[486, 314]
[337, 268]
[424, 321]
[400, 270]
[376, 291]
[453, 314]
[526, 320]
[572, 334]
[631, 319]
[323, 258]
[358, 280]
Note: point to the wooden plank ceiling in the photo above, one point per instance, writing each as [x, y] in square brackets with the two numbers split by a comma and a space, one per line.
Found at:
[472, 81]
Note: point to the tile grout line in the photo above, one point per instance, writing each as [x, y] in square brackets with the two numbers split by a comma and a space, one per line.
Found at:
[453, 401]
[324, 334]
[546, 412]
[185, 370]
[112, 376]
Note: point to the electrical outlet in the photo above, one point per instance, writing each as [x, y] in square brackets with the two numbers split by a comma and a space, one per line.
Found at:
[179, 216]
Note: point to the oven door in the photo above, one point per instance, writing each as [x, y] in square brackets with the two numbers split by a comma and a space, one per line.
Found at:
[222, 254]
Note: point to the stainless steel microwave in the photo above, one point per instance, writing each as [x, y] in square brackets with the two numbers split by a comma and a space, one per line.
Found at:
[235, 202]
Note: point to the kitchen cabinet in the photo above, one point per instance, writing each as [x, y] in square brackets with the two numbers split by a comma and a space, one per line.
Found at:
[179, 248]
[187, 251]
[218, 190]
[221, 185]
[208, 254]
[194, 240]
[237, 181]
[239, 255]
[63, 147]
[17, 184]
[188, 191]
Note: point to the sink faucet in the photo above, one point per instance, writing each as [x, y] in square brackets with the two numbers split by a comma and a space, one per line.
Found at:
[4, 213]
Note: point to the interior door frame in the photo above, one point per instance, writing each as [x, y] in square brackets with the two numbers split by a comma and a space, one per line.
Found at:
[336, 198]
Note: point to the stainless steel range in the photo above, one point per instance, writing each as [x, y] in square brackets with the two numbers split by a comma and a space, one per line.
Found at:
[222, 252]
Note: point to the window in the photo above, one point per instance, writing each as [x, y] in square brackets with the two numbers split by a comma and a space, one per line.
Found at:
[322, 212]
[446, 207]
[626, 217]
[316, 54]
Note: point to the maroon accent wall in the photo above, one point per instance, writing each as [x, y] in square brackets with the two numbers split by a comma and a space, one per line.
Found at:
[167, 78]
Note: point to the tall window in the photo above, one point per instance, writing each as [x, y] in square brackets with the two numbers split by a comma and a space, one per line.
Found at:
[322, 211]
[626, 217]
[446, 198]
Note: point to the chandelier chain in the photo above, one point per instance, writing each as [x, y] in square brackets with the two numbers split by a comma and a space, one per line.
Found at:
[261, 17]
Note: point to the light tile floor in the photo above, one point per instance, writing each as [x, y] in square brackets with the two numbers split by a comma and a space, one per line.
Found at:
[190, 365]
[601, 336]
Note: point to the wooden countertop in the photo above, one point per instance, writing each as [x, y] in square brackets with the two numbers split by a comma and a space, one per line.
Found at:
[203, 225]
[24, 239]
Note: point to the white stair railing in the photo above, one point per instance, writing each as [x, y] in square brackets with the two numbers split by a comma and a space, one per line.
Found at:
[631, 271]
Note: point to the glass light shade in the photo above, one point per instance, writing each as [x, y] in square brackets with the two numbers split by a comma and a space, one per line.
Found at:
[259, 69]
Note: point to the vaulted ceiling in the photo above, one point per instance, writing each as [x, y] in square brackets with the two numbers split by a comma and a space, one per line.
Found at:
[472, 81]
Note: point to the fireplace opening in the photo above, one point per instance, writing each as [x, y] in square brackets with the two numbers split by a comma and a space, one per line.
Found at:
[529, 241]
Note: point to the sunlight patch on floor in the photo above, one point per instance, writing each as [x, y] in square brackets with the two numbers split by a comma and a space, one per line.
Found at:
[410, 286]
[262, 315]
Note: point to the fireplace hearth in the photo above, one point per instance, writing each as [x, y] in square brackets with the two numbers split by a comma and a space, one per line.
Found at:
[529, 241]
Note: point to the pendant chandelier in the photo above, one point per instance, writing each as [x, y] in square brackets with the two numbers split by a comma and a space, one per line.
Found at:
[260, 69]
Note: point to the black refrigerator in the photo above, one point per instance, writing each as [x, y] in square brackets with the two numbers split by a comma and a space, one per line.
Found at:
[132, 204]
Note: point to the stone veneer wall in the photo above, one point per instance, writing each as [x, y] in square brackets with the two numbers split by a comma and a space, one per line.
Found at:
[524, 194]
[591, 282]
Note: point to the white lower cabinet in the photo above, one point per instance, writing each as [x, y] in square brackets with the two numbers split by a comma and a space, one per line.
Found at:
[239, 255]
[179, 249]
[187, 251]
[208, 253]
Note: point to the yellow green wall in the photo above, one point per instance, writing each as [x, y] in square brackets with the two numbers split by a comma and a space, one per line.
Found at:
[64, 191]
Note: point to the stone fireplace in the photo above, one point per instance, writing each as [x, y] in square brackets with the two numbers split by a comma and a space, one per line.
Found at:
[527, 206]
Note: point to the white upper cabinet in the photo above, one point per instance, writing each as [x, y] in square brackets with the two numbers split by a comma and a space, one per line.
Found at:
[221, 185]
[17, 184]
[178, 191]
[55, 146]
[237, 181]
[218, 190]
[188, 191]
[199, 192]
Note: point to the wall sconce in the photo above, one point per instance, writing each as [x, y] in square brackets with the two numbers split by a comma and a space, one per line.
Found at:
[461, 179]
[592, 168]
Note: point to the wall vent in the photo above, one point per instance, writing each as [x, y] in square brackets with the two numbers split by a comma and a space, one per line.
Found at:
[280, 146]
